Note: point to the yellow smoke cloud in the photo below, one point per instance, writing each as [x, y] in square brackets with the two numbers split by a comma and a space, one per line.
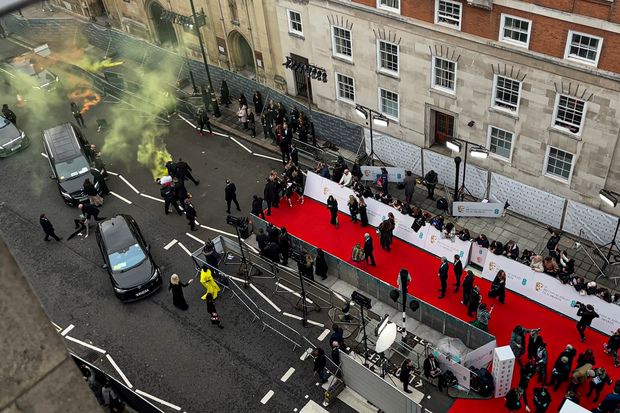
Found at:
[154, 156]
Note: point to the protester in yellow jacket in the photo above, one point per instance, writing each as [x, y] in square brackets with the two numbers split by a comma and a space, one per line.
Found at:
[206, 279]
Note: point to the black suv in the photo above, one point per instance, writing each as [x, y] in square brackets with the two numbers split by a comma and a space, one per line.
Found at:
[64, 145]
[127, 257]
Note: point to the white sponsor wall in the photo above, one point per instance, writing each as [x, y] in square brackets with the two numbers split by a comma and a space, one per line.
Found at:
[478, 254]
[598, 226]
[395, 174]
[527, 200]
[480, 357]
[477, 209]
[475, 181]
[548, 291]
[394, 151]
[443, 247]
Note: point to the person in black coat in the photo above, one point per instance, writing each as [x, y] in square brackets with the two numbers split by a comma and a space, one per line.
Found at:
[542, 399]
[474, 301]
[363, 208]
[271, 252]
[270, 195]
[587, 314]
[319, 363]
[468, 284]
[284, 243]
[560, 372]
[285, 144]
[514, 399]
[406, 370]
[368, 249]
[171, 167]
[167, 193]
[258, 102]
[443, 276]
[225, 94]
[431, 367]
[332, 205]
[533, 343]
[48, 228]
[185, 171]
[9, 114]
[231, 196]
[320, 264]
[294, 154]
[179, 190]
[274, 233]
[190, 214]
[98, 177]
[176, 286]
[525, 374]
[498, 286]
[90, 211]
[215, 318]
[257, 206]
[458, 271]
[598, 382]
[262, 239]
[203, 120]
[430, 181]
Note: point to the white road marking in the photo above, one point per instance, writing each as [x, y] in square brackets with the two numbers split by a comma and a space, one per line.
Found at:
[75, 340]
[165, 403]
[293, 291]
[305, 354]
[44, 154]
[194, 237]
[266, 156]
[267, 397]
[128, 184]
[315, 323]
[119, 371]
[188, 122]
[324, 334]
[120, 197]
[259, 292]
[112, 173]
[185, 249]
[66, 330]
[170, 244]
[288, 374]
[292, 316]
[220, 231]
[240, 144]
[153, 198]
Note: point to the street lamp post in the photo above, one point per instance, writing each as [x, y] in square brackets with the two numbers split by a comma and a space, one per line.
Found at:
[216, 109]
[478, 151]
[373, 117]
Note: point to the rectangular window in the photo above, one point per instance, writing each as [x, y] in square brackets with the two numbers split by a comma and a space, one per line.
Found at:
[388, 102]
[506, 94]
[345, 87]
[559, 163]
[583, 47]
[294, 22]
[392, 5]
[500, 142]
[515, 30]
[569, 114]
[448, 13]
[342, 45]
[444, 74]
[388, 57]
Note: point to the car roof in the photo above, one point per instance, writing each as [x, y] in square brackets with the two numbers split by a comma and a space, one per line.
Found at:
[63, 142]
[116, 233]
[21, 64]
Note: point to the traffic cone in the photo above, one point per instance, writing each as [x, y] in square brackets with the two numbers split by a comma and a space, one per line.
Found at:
[20, 101]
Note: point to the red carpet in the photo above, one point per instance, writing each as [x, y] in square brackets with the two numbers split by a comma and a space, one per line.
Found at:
[310, 222]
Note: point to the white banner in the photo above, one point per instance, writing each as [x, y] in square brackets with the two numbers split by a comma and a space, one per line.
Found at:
[462, 373]
[393, 151]
[314, 188]
[443, 247]
[599, 226]
[477, 209]
[478, 254]
[480, 357]
[476, 179]
[371, 173]
[527, 200]
[548, 291]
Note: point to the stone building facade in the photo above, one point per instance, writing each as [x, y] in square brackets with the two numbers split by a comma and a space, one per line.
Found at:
[539, 79]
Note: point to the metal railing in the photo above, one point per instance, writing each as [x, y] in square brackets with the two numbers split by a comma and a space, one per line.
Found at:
[280, 328]
[593, 252]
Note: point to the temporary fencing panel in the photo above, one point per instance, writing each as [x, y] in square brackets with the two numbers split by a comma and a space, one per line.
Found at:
[476, 179]
[393, 151]
[598, 225]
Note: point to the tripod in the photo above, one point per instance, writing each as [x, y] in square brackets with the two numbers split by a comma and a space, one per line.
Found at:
[302, 303]
[384, 367]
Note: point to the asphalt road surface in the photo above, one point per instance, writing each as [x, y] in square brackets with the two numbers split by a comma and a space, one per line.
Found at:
[176, 356]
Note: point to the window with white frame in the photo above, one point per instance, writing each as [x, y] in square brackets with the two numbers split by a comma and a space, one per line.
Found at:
[388, 57]
[294, 22]
[448, 13]
[342, 45]
[392, 5]
[345, 87]
[559, 163]
[583, 47]
[515, 30]
[500, 142]
[388, 102]
[444, 74]
[506, 94]
[569, 113]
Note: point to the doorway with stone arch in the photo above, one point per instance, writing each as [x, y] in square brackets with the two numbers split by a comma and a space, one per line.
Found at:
[241, 54]
[163, 29]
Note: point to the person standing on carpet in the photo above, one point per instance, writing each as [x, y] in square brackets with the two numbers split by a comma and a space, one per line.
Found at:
[513, 399]
[474, 301]
[443, 276]
[385, 229]
[498, 287]
[362, 209]
[542, 399]
[517, 341]
[587, 314]
[533, 342]
[458, 271]
[612, 346]
[560, 372]
[368, 249]
[598, 382]
[468, 285]
[332, 205]
[541, 363]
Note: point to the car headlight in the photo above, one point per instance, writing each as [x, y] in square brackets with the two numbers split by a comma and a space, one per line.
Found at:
[119, 290]
[57, 78]
[155, 274]
[65, 195]
[1, 148]
[23, 135]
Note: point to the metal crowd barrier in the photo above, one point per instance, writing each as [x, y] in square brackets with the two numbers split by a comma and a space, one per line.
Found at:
[280, 328]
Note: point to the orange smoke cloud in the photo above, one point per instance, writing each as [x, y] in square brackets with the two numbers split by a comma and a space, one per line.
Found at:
[89, 97]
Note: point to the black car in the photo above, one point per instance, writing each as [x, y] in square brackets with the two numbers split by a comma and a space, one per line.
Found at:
[127, 258]
[23, 71]
[12, 140]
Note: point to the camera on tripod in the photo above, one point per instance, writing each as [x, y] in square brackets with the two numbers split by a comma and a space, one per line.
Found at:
[297, 255]
[237, 222]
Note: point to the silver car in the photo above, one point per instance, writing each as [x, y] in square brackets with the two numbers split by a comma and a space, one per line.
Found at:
[12, 140]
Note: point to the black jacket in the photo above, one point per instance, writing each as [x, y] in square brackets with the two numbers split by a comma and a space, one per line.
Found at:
[257, 206]
[231, 192]
[89, 210]
[320, 360]
[368, 247]
[539, 399]
[458, 268]
[190, 212]
[9, 115]
[443, 270]
[405, 373]
[166, 193]
[586, 316]
[171, 167]
[271, 192]
[262, 240]
[46, 224]
[271, 252]
[468, 284]
[182, 169]
[428, 367]
[320, 266]
[202, 118]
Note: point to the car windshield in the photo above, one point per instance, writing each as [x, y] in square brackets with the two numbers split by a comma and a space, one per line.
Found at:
[126, 258]
[3, 122]
[72, 169]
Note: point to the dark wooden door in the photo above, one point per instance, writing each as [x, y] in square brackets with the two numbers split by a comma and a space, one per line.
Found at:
[300, 79]
[444, 127]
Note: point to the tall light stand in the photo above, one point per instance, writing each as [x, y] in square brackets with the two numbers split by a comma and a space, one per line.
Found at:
[216, 109]
[404, 283]
[457, 161]
[243, 266]
[363, 302]
[456, 144]
[372, 116]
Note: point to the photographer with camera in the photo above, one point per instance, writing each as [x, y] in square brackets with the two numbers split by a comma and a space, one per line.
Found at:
[430, 181]
[587, 314]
